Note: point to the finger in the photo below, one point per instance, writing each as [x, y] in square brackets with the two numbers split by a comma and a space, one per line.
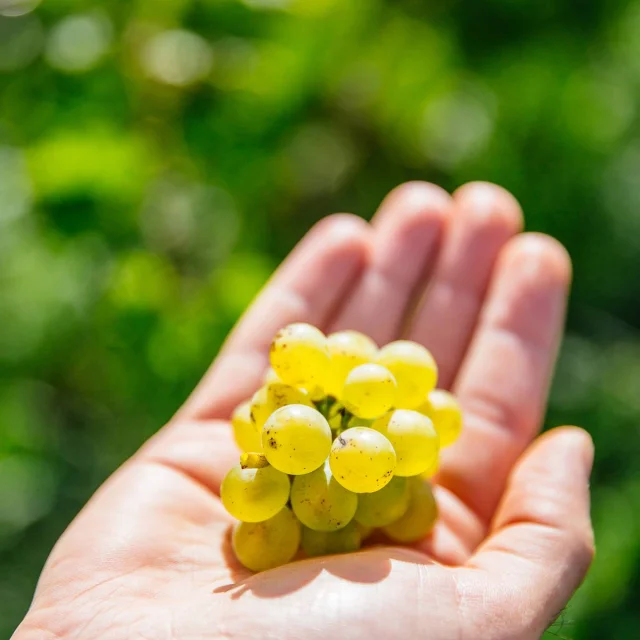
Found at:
[504, 381]
[542, 543]
[407, 231]
[484, 218]
[308, 287]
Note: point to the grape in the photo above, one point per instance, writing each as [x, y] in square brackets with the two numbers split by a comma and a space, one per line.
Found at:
[431, 471]
[385, 506]
[365, 531]
[446, 415]
[264, 545]
[420, 516]
[296, 439]
[362, 460]
[254, 495]
[320, 502]
[267, 399]
[300, 356]
[244, 431]
[347, 349]
[414, 440]
[414, 369]
[315, 393]
[323, 543]
[369, 391]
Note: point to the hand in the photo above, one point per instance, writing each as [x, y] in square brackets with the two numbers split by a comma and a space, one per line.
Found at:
[149, 556]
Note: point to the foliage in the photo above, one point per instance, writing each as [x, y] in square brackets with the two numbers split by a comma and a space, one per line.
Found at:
[158, 158]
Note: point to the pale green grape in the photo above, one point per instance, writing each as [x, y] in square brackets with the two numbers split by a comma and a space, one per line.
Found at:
[385, 506]
[254, 495]
[446, 415]
[268, 544]
[300, 356]
[273, 396]
[414, 440]
[324, 543]
[419, 517]
[414, 369]
[362, 460]
[365, 532]
[296, 439]
[244, 431]
[320, 502]
[369, 391]
[347, 349]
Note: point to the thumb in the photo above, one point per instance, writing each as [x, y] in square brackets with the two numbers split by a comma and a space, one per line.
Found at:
[542, 541]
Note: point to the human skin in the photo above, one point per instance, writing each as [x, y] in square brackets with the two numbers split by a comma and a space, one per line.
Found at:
[149, 555]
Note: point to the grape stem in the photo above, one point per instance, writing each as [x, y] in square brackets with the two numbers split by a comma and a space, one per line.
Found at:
[253, 461]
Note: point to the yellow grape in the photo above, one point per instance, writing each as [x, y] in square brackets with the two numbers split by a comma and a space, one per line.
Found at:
[320, 502]
[414, 369]
[362, 460]
[269, 398]
[446, 414]
[268, 544]
[324, 543]
[385, 506]
[254, 495]
[432, 470]
[244, 431]
[419, 517]
[300, 356]
[296, 439]
[347, 349]
[369, 391]
[315, 393]
[414, 440]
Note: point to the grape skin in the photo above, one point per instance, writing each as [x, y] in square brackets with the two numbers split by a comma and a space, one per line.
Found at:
[320, 502]
[362, 460]
[244, 431]
[414, 440]
[420, 516]
[446, 414]
[315, 394]
[432, 470]
[296, 439]
[300, 356]
[385, 506]
[369, 391]
[254, 495]
[347, 349]
[414, 369]
[268, 544]
[272, 397]
[323, 543]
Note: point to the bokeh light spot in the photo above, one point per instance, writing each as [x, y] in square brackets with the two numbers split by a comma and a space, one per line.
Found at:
[177, 57]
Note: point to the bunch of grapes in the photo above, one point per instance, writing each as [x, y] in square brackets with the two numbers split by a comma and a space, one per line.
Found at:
[340, 441]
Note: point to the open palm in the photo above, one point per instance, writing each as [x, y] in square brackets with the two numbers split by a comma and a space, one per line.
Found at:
[149, 556]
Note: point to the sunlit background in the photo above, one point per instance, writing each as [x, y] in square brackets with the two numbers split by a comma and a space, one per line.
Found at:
[159, 157]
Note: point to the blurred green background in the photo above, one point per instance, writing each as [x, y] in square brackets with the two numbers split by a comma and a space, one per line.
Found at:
[159, 157]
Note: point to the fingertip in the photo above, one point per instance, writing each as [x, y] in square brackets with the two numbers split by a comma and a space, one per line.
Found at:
[347, 237]
[342, 228]
[492, 203]
[574, 441]
[544, 256]
[416, 201]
